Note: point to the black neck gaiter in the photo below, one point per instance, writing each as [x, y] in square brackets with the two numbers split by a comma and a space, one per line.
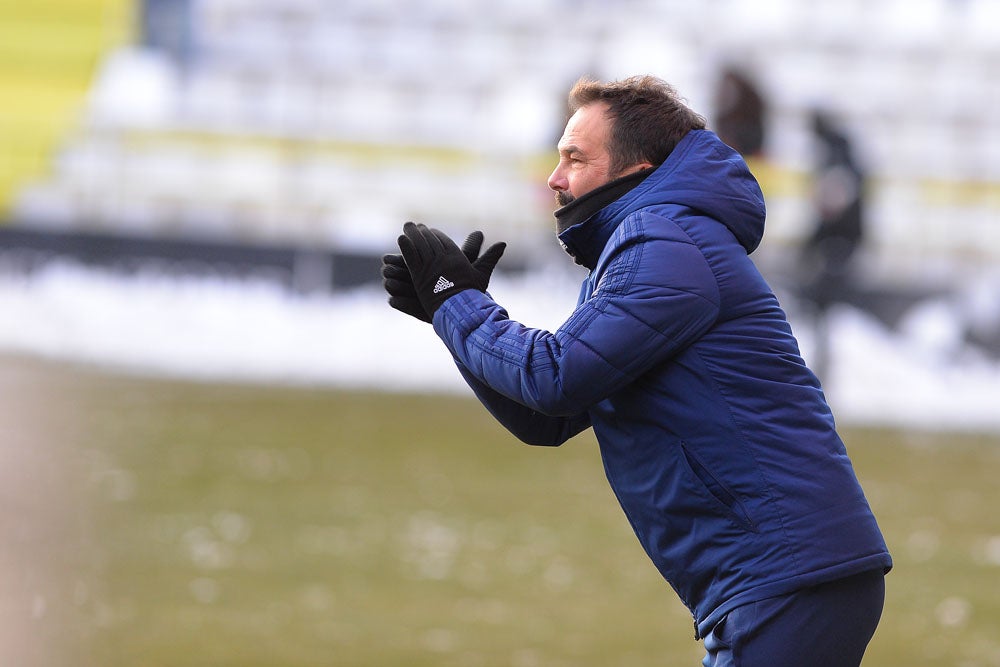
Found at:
[587, 205]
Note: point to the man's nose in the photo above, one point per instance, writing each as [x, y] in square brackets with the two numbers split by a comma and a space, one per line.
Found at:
[557, 181]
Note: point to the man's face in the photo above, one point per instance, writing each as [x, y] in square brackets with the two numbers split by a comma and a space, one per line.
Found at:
[584, 160]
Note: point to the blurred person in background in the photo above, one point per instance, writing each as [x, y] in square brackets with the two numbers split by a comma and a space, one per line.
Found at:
[827, 257]
[740, 112]
[715, 436]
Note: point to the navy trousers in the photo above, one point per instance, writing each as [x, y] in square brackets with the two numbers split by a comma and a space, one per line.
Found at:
[824, 626]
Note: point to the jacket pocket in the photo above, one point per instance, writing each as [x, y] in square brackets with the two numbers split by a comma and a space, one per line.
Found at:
[717, 490]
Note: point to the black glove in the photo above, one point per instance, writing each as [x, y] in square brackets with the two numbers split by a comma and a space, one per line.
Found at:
[399, 285]
[411, 286]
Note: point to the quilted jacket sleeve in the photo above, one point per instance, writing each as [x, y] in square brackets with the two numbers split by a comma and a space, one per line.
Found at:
[525, 424]
[653, 298]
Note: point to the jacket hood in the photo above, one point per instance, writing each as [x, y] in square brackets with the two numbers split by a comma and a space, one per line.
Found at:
[702, 173]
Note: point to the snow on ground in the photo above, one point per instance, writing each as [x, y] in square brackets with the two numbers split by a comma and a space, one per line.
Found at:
[216, 329]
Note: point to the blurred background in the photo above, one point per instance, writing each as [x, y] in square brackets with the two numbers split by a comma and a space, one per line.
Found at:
[194, 197]
[282, 143]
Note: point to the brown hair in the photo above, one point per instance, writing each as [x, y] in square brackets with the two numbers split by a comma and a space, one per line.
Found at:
[648, 117]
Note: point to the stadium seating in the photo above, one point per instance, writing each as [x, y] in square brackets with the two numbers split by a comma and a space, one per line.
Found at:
[48, 52]
[324, 122]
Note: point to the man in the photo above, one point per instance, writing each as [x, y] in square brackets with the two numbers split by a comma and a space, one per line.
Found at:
[740, 112]
[827, 259]
[715, 437]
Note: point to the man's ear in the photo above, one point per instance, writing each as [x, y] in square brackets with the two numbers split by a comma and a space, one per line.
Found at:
[634, 168]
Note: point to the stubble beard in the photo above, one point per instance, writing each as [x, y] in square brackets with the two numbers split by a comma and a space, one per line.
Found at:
[563, 197]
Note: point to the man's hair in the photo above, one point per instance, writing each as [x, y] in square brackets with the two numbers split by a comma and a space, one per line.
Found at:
[648, 117]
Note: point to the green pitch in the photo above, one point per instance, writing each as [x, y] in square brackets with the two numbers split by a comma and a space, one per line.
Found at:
[178, 524]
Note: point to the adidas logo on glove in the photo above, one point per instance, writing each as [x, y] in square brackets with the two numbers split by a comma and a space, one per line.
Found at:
[442, 284]
[428, 256]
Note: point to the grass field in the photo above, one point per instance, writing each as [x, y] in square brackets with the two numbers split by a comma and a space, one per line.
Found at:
[162, 523]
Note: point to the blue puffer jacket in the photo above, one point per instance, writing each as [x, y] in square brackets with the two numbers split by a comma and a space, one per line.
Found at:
[715, 436]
